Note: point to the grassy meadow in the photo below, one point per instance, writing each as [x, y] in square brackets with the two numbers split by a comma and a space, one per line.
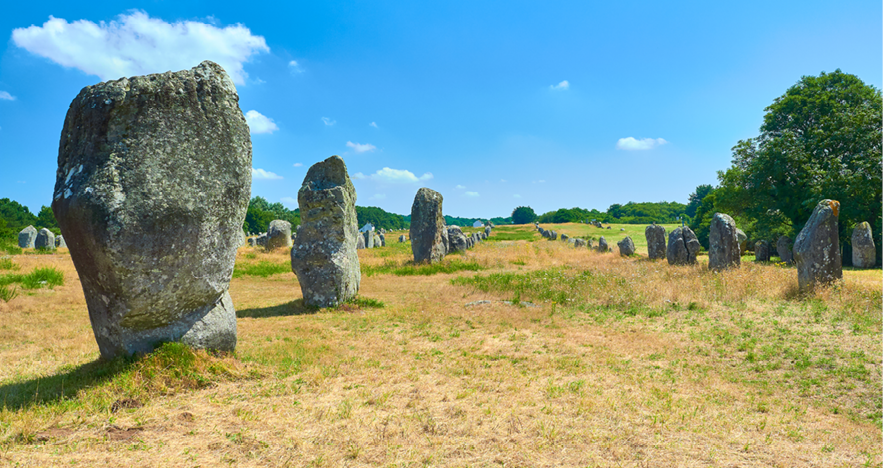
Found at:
[520, 352]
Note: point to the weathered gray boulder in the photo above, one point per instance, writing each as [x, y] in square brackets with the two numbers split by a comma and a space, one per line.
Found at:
[579, 242]
[324, 255]
[360, 242]
[546, 233]
[402, 239]
[723, 243]
[783, 248]
[279, 234]
[487, 231]
[602, 245]
[153, 181]
[553, 235]
[743, 241]
[817, 248]
[45, 240]
[27, 237]
[682, 247]
[864, 252]
[59, 242]
[470, 242]
[762, 251]
[626, 246]
[369, 239]
[252, 241]
[564, 236]
[483, 235]
[655, 235]
[382, 239]
[427, 227]
[456, 239]
[262, 240]
[590, 244]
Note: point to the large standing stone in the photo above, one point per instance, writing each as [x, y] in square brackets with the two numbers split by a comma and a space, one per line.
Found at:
[743, 241]
[153, 181]
[723, 243]
[427, 227]
[27, 237]
[324, 255]
[817, 247]
[682, 247]
[369, 239]
[382, 239]
[783, 248]
[279, 234]
[762, 251]
[59, 242]
[456, 239]
[602, 245]
[402, 239]
[360, 242]
[864, 252]
[626, 246]
[655, 235]
[45, 240]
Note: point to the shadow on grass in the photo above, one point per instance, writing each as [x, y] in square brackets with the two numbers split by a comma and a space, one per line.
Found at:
[61, 386]
[295, 307]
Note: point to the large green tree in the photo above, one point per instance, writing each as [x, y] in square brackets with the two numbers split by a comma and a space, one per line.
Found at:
[821, 139]
[523, 215]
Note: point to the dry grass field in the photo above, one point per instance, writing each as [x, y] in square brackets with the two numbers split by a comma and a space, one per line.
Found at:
[572, 358]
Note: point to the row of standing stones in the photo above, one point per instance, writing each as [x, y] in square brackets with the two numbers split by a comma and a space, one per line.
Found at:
[152, 188]
[30, 238]
[816, 251]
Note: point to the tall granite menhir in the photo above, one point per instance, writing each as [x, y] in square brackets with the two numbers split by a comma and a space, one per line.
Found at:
[723, 243]
[153, 181]
[428, 228]
[324, 256]
[682, 247]
[817, 248]
[655, 235]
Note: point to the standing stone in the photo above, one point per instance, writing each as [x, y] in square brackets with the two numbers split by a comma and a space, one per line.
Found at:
[456, 239]
[682, 247]
[242, 238]
[783, 248]
[626, 246]
[262, 240]
[723, 243]
[817, 248]
[324, 255]
[547, 234]
[59, 242]
[252, 241]
[564, 236]
[483, 235]
[762, 251]
[487, 231]
[382, 239]
[45, 240]
[655, 235]
[378, 242]
[27, 237]
[360, 242]
[590, 244]
[743, 241]
[279, 234]
[427, 227]
[369, 239]
[402, 239]
[579, 242]
[553, 235]
[864, 252]
[602, 245]
[153, 181]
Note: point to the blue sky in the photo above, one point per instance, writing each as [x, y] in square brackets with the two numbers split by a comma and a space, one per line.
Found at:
[493, 104]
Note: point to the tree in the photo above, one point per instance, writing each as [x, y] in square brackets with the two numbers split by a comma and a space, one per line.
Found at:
[523, 215]
[46, 218]
[821, 139]
[696, 198]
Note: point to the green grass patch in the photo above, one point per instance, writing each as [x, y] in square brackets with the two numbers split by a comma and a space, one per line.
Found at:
[10, 248]
[422, 269]
[496, 236]
[8, 264]
[8, 293]
[262, 269]
[41, 277]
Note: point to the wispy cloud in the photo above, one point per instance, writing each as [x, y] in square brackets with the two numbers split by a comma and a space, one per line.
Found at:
[471, 194]
[289, 200]
[633, 144]
[563, 86]
[396, 176]
[297, 164]
[516, 196]
[5, 96]
[541, 181]
[136, 44]
[358, 148]
[373, 124]
[502, 181]
[358, 176]
[259, 123]
[328, 121]
[261, 174]
[459, 187]
[294, 67]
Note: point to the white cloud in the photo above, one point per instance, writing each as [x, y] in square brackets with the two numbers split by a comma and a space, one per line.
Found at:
[459, 187]
[397, 176]
[261, 174]
[516, 196]
[373, 124]
[471, 194]
[297, 164]
[361, 148]
[563, 86]
[6, 96]
[502, 181]
[379, 196]
[294, 67]
[328, 121]
[541, 181]
[632, 144]
[259, 123]
[136, 44]
[357, 176]
[289, 200]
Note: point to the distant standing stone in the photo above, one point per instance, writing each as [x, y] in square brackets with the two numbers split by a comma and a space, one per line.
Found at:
[487, 231]
[723, 243]
[152, 187]
[564, 236]
[59, 242]
[378, 242]
[864, 252]
[817, 247]
[602, 245]
[590, 244]
[683, 246]
[402, 239]
[456, 239]
[252, 241]
[483, 235]
[783, 248]
[427, 226]
[27, 237]
[324, 255]
[546, 234]
[579, 242]
[655, 235]
[762, 251]
[382, 239]
[626, 246]
[553, 235]
[743, 241]
[360, 242]
[45, 240]
[369, 239]
[278, 234]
